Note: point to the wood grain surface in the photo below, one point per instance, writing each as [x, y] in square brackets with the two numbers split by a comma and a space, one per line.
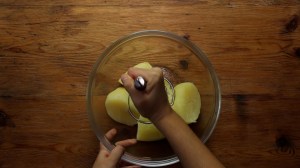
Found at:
[48, 48]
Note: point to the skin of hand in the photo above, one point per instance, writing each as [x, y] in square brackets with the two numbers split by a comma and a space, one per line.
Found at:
[107, 159]
[153, 104]
[147, 101]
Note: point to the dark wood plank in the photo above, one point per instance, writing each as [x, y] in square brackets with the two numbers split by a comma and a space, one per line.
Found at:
[131, 3]
[48, 48]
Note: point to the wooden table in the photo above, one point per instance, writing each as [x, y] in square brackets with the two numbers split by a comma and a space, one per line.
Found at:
[48, 48]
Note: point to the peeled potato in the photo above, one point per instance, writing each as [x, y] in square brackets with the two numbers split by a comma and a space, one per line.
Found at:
[187, 103]
[143, 65]
[116, 104]
[148, 132]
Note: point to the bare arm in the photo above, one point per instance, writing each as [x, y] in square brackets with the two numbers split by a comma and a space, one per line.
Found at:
[189, 149]
[153, 104]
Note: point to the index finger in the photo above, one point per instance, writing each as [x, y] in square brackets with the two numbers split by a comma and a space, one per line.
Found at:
[127, 142]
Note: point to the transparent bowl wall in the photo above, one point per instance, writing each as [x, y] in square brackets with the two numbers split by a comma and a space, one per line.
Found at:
[186, 63]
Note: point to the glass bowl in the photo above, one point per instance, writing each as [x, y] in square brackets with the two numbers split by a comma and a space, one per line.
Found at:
[182, 59]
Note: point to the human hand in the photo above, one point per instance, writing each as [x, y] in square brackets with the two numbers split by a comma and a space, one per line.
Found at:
[107, 159]
[153, 101]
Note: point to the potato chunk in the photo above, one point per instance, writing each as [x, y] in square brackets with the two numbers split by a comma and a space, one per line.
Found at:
[143, 65]
[148, 132]
[187, 102]
[116, 104]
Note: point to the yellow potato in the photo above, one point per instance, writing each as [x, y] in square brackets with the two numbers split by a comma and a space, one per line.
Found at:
[143, 65]
[187, 102]
[148, 132]
[116, 104]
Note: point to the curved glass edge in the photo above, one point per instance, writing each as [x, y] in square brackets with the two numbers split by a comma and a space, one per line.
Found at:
[150, 163]
[190, 45]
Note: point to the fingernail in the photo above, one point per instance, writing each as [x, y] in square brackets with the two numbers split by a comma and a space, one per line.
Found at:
[133, 140]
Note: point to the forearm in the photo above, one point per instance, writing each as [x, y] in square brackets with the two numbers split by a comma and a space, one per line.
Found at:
[153, 103]
[190, 150]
